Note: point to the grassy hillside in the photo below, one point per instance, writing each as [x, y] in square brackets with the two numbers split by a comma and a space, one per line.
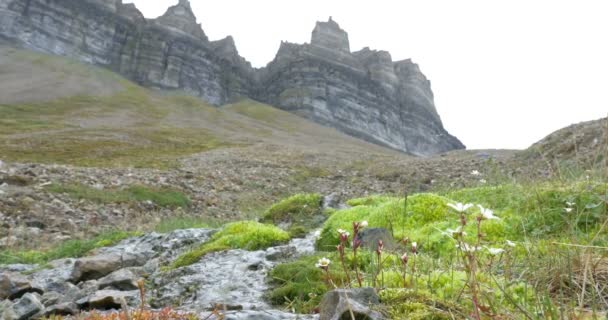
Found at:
[92, 117]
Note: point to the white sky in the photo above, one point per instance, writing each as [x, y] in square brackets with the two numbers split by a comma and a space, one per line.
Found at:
[504, 73]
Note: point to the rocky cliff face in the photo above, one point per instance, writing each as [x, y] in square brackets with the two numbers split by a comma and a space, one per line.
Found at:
[364, 93]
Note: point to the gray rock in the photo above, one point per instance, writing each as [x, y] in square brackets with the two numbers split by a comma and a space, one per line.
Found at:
[123, 279]
[29, 306]
[13, 286]
[364, 94]
[51, 298]
[280, 253]
[338, 304]
[111, 299]
[62, 309]
[92, 268]
[369, 238]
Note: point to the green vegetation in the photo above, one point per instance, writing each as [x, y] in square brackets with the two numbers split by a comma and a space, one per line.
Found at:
[424, 212]
[68, 249]
[301, 212]
[163, 197]
[126, 129]
[555, 267]
[247, 235]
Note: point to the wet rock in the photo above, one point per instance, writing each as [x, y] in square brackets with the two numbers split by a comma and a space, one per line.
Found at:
[29, 306]
[339, 303]
[333, 201]
[123, 279]
[280, 253]
[263, 315]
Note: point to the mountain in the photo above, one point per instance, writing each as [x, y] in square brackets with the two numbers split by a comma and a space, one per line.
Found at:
[364, 94]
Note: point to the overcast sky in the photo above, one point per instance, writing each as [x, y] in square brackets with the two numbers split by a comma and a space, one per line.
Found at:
[504, 73]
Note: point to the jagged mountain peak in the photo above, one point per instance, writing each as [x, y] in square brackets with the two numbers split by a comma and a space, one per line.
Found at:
[182, 19]
[329, 35]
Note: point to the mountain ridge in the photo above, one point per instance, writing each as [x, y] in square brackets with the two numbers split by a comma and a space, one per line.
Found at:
[364, 94]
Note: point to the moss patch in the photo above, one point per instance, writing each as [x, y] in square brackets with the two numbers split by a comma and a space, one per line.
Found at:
[422, 210]
[301, 212]
[247, 235]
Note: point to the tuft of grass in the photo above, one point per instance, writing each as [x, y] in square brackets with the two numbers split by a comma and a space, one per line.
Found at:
[68, 249]
[163, 197]
[247, 235]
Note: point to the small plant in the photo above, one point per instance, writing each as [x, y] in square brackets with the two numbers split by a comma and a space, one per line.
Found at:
[357, 226]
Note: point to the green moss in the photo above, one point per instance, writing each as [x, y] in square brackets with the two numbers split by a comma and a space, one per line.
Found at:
[422, 211]
[371, 201]
[418, 305]
[68, 249]
[300, 209]
[247, 235]
[163, 197]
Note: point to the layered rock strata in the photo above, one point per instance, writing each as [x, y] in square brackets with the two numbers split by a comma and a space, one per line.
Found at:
[363, 93]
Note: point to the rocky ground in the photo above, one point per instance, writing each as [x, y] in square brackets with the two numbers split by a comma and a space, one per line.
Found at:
[232, 282]
[222, 185]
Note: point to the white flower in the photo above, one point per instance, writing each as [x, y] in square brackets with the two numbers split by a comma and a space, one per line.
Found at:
[568, 210]
[495, 251]
[323, 263]
[510, 243]
[467, 248]
[475, 173]
[363, 224]
[344, 232]
[487, 214]
[459, 206]
[414, 245]
[483, 181]
[570, 204]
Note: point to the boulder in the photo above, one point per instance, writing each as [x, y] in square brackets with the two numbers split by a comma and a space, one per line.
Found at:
[109, 299]
[29, 306]
[338, 304]
[122, 279]
[13, 286]
[369, 238]
[92, 268]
